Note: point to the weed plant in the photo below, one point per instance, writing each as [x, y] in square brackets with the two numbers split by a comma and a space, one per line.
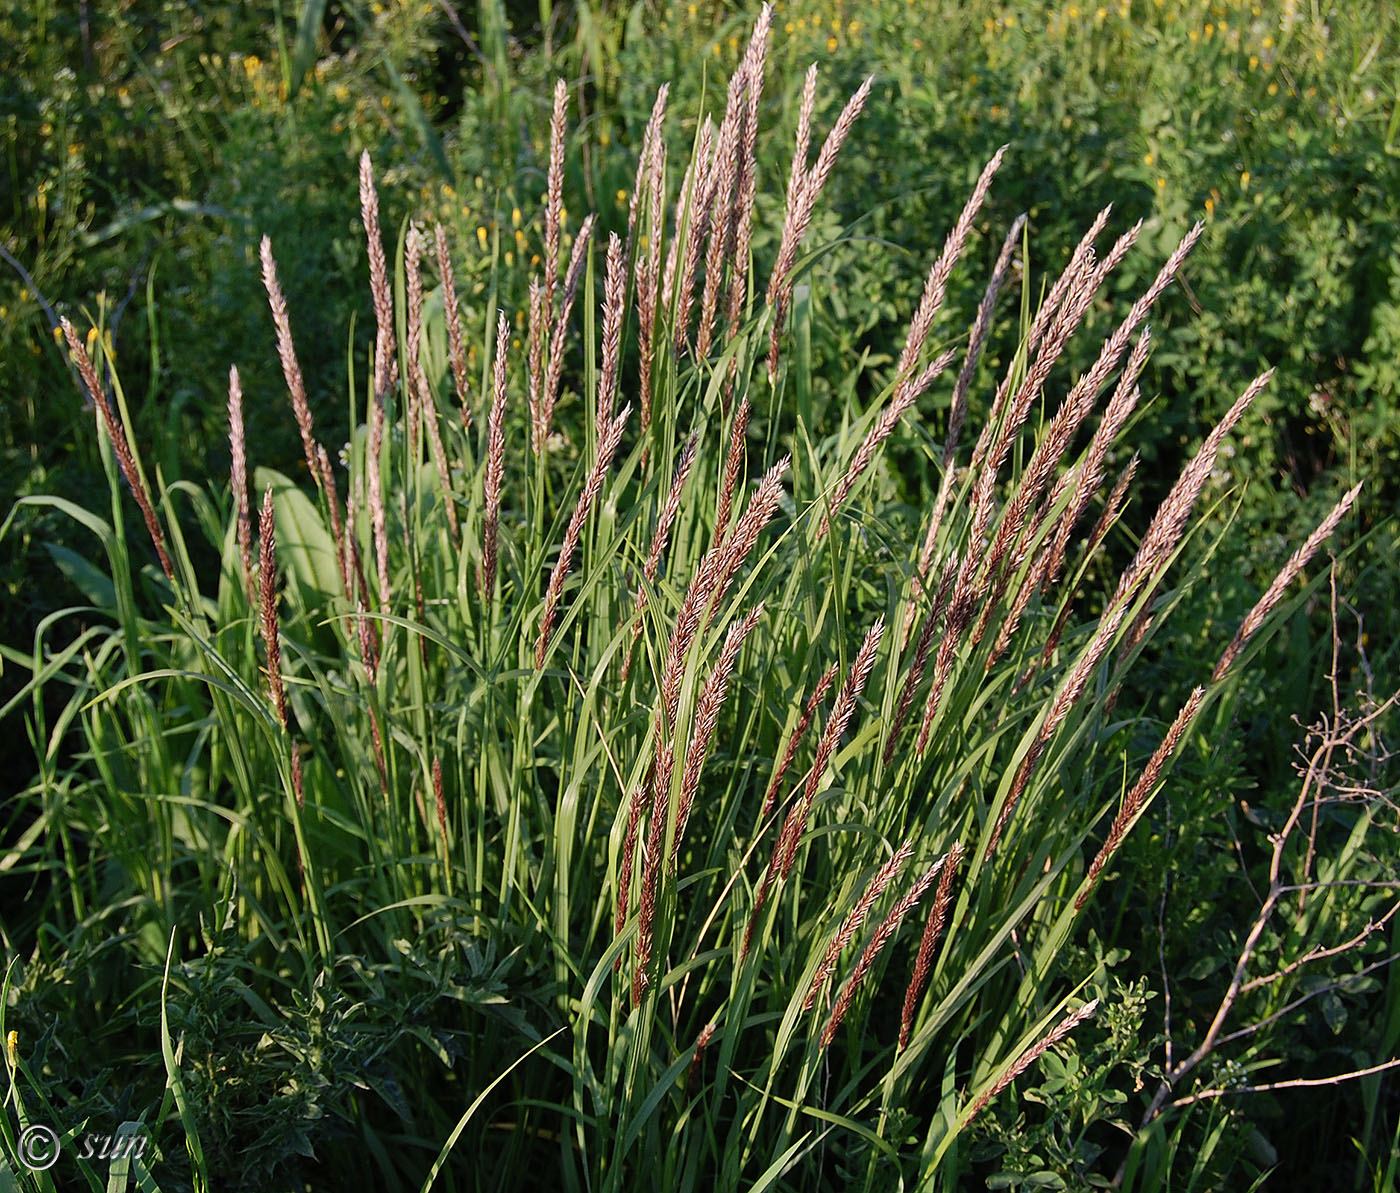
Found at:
[595, 772]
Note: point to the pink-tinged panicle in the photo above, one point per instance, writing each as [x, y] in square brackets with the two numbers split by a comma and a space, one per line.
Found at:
[670, 509]
[1049, 311]
[707, 709]
[721, 219]
[957, 413]
[920, 662]
[649, 277]
[681, 254]
[286, 353]
[826, 159]
[1169, 522]
[733, 461]
[238, 480]
[422, 405]
[701, 1041]
[936, 284]
[707, 186]
[554, 195]
[614, 294]
[903, 401]
[872, 951]
[1028, 1058]
[1076, 304]
[1112, 508]
[665, 520]
[1154, 550]
[803, 197]
[378, 520]
[267, 572]
[635, 807]
[716, 572]
[933, 932]
[378, 281]
[712, 579]
[841, 713]
[803, 724]
[649, 139]
[746, 185]
[1135, 799]
[455, 349]
[440, 800]
[1283, 581]
[885, 875]
[607, 448]
[539, 333]
[1083, 253]
[1077, 405]
[126, 459]
[651, 866]
[797, 177]
[495, 463]
[1088, 479]
[554, 370]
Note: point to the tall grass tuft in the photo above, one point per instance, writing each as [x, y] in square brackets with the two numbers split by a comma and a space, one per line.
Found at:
[554, 794]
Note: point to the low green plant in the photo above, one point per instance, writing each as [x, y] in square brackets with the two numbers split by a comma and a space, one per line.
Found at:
[530, 792]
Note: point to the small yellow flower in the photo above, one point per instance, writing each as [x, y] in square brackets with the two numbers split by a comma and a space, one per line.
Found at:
[481, 237]
[1193, 36]
[1148, 158]
[1254, 62]
[831, 44]
[1209, 31]
[1161, 183]
[621, 196]
[1072, 12]
[515, 217]
[1244, 180]
[510, 257]
[1272, 89]
[1210, 207]
[91, 338]
[12, 1047]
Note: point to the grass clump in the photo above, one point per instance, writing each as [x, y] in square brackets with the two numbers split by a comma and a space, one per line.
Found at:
[598, 774]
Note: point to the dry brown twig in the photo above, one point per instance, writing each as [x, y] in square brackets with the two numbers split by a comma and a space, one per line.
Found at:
[1340, 740]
